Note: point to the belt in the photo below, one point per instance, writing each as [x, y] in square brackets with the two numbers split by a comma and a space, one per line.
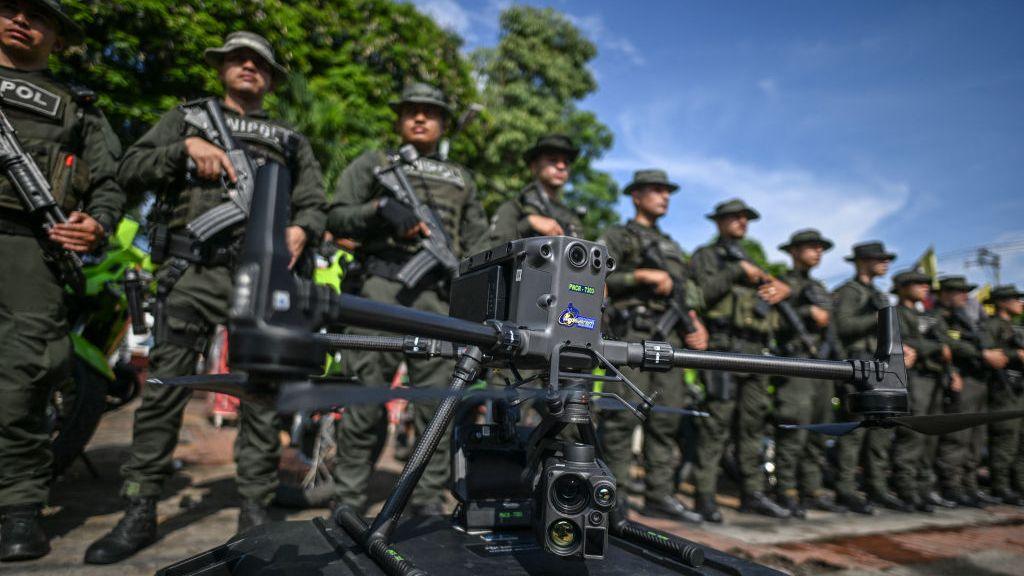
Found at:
[187, 248]
[13, 222]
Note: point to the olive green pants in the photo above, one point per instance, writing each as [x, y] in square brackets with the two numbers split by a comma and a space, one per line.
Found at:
[362, 430]
[35, 357]
[660, 430]
[196, 305]
[746, 413]
[960, 453]
[866, 447]
[800, 454]
[913, 455]
[1005, 441]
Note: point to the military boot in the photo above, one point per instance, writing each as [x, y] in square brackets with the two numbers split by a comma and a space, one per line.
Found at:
[669, 508]
[708, 509]
[890, 501]
[791, 502]
[135, 531]
[250, 514]
[1008, 497]
[855, 503]
[758, 503]
[821, 501]
[21, 537]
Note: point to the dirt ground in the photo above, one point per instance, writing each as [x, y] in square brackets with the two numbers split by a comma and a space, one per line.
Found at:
[199, 511]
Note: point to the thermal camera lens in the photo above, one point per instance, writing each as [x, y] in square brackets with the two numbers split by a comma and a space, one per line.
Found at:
[604, 495]
[570, 493]
[563, 534]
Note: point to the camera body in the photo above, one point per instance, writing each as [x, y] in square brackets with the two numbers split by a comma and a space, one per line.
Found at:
[551, 288]
[574, 495]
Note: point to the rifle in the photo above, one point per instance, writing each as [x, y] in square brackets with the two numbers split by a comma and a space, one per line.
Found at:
[830, 346]
[543, 204]
[1011, 378]
[436, 250]
[736, 252]
[235, 210]
[37, 198]
[678, 311]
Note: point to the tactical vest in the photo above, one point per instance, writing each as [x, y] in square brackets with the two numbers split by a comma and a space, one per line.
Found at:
[532, 201]
[440, 185]
[737, 311]
[639, 239]
[869, 300]
[265, 140]
[49, 118]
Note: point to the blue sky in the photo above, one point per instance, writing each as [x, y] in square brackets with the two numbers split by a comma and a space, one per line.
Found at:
[901, 121]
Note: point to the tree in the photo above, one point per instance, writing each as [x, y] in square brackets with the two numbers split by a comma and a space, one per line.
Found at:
[531, 82]
[349, 58]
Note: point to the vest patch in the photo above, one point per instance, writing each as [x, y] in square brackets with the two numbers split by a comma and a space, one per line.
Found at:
[30, 97]
[245, 129]
[430, 168]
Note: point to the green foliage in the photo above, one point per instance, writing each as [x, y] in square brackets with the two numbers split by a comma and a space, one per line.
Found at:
[350, 58]
[531, 82]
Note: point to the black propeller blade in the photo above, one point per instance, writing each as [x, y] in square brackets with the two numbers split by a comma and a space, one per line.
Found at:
[612, 404]
[934, 424]
[233, 384]
[834, 429]
[947, 423]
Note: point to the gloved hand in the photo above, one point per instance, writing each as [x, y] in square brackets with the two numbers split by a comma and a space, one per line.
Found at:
[400, 217]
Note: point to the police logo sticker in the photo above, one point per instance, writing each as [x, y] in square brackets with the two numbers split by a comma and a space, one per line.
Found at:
[29, 96]
[572, 318]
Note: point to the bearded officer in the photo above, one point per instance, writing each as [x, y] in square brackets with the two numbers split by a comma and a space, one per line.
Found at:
[195, 281]
[75, 149]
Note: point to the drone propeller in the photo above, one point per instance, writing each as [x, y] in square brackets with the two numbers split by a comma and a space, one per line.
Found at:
[233, 384]
[611, 404]
[934, 424]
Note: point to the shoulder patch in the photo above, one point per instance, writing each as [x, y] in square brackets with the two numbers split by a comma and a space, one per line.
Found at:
[29, 96]
[437, 170]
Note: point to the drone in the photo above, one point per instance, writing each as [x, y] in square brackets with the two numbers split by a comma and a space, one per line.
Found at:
[531, 501]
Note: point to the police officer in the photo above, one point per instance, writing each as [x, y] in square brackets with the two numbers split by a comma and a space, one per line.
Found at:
[391, 233]
[538, 209]
[975, 355]
[195, 280]
[929, 372]
[75, 149]
[1006, 392]
[858, 301]
[800, 455]
[733, 289]
[649, 266]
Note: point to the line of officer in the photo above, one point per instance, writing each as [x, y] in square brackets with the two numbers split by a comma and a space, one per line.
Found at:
[363, 208]
[975, 355]
[930, 381]
[1006, 392]
[76, 150]
[539, 209]
[858, 301]
[639, 289]
[732, 289]
[800, 455]
[195, 281]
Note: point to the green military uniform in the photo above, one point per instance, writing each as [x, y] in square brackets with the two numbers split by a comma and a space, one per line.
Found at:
[960, 453]
[197, 300]
[510, 220]
[913, 455]
[1006, 392]
[735, 325]
[449, 190]
[635, 310]
[76, 150]
[857, 306]
[800, 455]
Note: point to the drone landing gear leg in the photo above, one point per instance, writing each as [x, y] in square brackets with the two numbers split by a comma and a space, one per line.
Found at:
[375, 538]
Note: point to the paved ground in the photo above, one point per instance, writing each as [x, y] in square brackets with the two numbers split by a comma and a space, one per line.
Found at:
[200, 512]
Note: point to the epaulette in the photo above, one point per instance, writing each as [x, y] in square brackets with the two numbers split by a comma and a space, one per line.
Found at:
[81, 94]
[196, 102]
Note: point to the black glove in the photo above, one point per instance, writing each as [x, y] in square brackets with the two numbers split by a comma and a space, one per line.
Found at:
[398, 215]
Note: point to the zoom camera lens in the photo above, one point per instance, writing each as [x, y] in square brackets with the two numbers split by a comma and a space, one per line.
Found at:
[569, 493]
[563, 535]
[577, 255]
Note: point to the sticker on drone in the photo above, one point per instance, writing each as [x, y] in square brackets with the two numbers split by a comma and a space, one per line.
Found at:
[571, 317]
[582, 288]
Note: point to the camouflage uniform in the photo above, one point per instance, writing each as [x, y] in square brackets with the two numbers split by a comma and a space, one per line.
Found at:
[1006, 392]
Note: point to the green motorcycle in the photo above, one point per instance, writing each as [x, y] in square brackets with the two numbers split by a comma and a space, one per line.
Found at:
[102, 376]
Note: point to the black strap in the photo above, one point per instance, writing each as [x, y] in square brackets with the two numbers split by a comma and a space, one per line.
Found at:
[185, 247]
[12, 222]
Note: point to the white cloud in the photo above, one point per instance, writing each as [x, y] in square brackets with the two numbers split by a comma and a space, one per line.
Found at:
[593, 27]
[447, 13]
[787, 198]
[769, 86]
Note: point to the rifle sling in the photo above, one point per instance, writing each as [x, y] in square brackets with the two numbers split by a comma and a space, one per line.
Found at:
[12, 222]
